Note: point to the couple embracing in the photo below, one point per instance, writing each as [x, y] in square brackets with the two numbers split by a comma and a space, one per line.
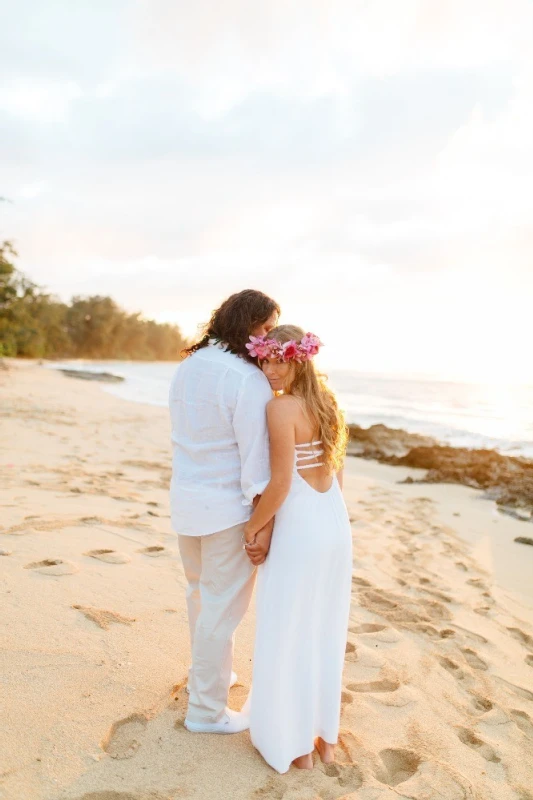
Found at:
[258, 448]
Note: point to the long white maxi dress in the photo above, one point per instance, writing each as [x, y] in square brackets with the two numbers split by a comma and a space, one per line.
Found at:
[302, 611]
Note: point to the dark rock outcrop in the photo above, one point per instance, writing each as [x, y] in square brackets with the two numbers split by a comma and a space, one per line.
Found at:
[379, 442]
[506, 479]
[107, 377]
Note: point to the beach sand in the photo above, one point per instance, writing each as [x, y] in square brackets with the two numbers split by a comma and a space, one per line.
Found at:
[438, 697]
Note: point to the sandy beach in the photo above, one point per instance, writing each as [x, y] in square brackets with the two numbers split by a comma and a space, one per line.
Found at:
[438, 681]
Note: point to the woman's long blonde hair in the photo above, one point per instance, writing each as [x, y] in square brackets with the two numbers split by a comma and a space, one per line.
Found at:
[320, 401]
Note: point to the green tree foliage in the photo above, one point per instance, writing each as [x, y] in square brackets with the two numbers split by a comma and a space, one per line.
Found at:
[38, 325]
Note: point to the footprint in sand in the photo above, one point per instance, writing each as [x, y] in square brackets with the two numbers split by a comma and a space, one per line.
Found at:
[385, 685]
[155, 550]
[125, 736]
[360, 581]
[522, 721]
[453, 668]
[424, 627]
[477, 637]
[398, 766]
[403, 568]
[439, 595]
[367, 627]
[380, 599]
[380, 633]
[110, 556]
[482, 704]
[20, 531]
[273, 789]
[479, 583]
[528, 659]
[5, 552]
[102, 617]
[351, 652]
[512, 687]
[53, 567]
[446, 633]
[522, 637]
[349, 776]
[469, 738]
[111, 794]
[473, 659]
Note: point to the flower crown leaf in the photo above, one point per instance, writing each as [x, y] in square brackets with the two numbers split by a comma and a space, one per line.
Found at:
[261, 347]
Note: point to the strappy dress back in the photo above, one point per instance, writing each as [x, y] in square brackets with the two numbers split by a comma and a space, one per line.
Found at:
[307, 455]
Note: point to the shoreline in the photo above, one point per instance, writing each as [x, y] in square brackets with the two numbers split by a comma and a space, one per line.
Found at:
[96, 646]
[380, 436]
[505, 478]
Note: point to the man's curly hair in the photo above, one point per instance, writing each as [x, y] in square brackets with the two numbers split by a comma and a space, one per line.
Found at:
[232, 323]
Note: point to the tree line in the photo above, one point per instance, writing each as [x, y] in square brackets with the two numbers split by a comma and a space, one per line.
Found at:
[36, 324]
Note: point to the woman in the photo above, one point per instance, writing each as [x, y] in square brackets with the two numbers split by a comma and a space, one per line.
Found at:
[304, 587]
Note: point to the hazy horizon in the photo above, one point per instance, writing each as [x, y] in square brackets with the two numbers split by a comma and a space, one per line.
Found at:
[368, 165]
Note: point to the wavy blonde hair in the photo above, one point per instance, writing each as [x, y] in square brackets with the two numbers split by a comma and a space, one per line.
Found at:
[320, 402]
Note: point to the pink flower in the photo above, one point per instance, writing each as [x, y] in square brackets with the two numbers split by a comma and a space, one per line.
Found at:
[256, 346]
[311, 344]
[260, 347]
[290, 351]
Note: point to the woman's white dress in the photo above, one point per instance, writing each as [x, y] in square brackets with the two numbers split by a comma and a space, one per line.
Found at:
[303, 605]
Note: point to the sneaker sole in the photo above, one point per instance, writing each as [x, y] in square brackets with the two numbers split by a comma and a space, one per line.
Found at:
[199, 728]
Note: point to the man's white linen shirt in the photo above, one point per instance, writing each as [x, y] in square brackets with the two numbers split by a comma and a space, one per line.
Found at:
[220, 458]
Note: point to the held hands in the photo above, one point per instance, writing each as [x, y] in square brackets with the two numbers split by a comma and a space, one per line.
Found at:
[257, 547]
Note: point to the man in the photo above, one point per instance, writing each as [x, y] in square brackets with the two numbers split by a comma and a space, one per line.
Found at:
[220, 467]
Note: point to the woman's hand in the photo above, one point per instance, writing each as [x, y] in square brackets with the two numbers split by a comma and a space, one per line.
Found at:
[258, 548]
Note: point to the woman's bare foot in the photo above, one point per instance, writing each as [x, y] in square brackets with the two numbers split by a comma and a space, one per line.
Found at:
[304, 762]
[326, 751]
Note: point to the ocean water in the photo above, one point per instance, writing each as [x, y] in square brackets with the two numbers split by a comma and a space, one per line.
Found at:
[460, 414]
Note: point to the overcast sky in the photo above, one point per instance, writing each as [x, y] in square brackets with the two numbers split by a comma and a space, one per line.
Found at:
[367, 162]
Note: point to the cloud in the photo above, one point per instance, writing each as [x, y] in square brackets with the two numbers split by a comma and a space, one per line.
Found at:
[351, 158]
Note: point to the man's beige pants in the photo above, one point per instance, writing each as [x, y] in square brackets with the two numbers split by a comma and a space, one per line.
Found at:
[220, 579]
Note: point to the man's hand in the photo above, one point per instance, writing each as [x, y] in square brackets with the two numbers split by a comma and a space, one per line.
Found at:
[258, 549]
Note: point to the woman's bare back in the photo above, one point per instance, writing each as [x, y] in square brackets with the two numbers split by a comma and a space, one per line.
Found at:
[320, 477]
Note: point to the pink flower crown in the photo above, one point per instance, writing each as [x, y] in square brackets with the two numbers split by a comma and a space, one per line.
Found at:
[260, 347]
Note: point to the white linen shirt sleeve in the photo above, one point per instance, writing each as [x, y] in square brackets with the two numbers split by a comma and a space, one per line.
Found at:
[251, 433]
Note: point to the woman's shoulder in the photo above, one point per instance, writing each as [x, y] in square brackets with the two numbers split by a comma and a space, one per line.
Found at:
[284, 407]
[283, 404]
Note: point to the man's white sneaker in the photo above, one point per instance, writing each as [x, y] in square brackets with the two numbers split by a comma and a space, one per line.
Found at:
[231, 722]
[233, 681]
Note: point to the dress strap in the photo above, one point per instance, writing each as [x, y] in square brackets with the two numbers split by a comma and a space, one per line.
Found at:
[309, 455]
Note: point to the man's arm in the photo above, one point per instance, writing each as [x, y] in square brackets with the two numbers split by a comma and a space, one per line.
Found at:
[250, 426]
[251, 434]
